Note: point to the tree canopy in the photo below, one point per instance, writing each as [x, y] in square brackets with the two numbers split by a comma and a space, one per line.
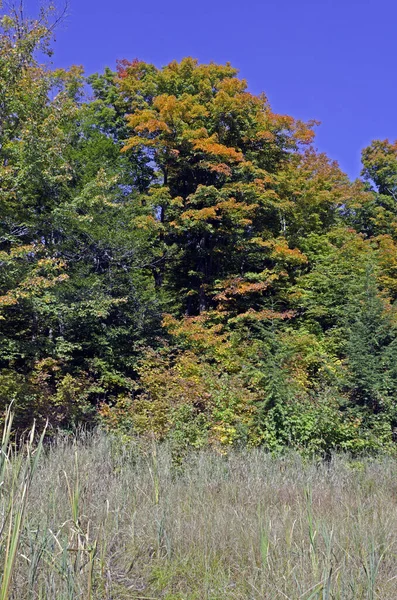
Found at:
[178, 260]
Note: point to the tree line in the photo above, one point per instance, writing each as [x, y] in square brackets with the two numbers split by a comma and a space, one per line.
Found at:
[176, 259]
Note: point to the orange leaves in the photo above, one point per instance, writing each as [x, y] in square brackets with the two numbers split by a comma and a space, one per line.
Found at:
[238, 293]
[232, 86]
[203, 333]
[197, 329]
[220, 168]
[281, 121]
[281, 252]
[126, 67]
[299, 131]
[8, 299]
[221, 214]
[229, 164]
[30, 287]
[231, 205]
[146, 123]
[212, 147]
[188, 109]
[152, 126]
[264, 135]
[206, 97]
[238, 286]
[165, 119]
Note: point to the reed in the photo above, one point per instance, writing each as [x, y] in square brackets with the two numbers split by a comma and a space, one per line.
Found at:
[86, 518]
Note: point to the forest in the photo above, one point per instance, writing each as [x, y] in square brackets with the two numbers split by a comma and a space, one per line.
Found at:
[179, 262]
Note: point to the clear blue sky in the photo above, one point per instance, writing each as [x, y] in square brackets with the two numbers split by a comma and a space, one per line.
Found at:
[332, 60]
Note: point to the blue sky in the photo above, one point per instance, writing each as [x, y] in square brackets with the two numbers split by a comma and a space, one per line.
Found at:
[331, 60]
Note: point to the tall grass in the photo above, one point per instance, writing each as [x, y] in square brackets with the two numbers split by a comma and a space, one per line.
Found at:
[16, 475]
[94, 520]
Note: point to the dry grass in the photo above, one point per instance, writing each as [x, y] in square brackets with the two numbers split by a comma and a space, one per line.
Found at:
[106, 522]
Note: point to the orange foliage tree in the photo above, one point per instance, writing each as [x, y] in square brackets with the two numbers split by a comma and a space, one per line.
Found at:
[218, 201]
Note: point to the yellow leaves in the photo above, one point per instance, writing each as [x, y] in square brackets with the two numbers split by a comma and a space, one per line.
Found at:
[187, 108]
[51, 263]
[295, 132]
[177, 202]
[386, 251]
[148, 416]
[221, 212]
[305, 355]
[45, 274]
[303, 132]
[147, 119]
[136, 142]
[380, 163]
[280, 251]
[198, 133]
[317, 185]
[147, 223]
[203, 214]
[232, 86]
[6, 22]
[72, 79]
[263, 315]
[147, 123]
[280, 121]
[30, 287]
[166, 105]
[17, 252]
[168, 116]
[168, 383]
[198, 331]
[256, 191]
[224, 433]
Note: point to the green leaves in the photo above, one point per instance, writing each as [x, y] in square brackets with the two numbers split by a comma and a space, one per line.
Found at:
[175, 252]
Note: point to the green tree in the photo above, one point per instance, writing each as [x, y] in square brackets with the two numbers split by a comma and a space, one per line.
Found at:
[75, 293]
[375, 212]
[371, 350]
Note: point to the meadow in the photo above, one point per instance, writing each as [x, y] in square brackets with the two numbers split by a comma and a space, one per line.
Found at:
[87, 517]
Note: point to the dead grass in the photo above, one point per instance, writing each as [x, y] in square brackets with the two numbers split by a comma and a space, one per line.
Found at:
[104, 521]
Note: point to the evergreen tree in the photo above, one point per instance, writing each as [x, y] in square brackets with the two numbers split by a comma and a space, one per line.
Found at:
[371, 350]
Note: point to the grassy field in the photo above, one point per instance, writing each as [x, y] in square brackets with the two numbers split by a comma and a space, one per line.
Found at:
[90, 519]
